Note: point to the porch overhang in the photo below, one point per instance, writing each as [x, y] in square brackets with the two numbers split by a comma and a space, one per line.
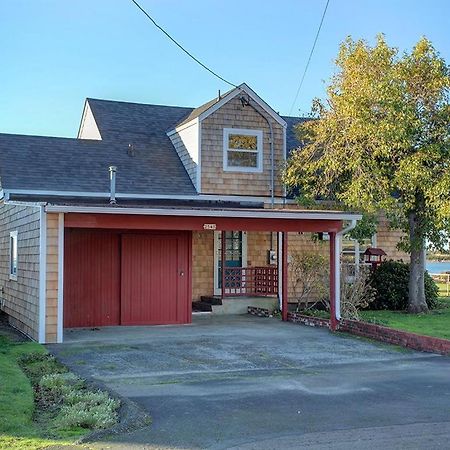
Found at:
[196, 219]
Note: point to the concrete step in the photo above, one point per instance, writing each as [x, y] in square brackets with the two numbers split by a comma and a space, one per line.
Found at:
[201, 306]
[212, 300]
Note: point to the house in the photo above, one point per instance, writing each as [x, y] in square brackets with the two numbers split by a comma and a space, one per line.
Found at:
[124, 224]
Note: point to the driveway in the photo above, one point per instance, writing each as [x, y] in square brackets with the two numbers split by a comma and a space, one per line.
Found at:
[252, 383]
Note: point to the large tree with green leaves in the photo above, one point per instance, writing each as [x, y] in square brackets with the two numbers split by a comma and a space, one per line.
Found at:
[381, 141]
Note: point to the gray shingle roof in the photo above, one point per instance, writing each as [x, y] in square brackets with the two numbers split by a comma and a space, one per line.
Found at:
[78, 165]
[61, 164]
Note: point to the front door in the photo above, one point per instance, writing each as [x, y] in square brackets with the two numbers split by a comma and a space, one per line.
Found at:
[235, 254]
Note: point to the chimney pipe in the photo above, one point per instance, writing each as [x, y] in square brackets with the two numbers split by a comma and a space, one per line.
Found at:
[112, 180]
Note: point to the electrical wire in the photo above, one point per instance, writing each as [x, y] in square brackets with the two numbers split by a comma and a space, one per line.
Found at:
[180, 46]
[310, 56]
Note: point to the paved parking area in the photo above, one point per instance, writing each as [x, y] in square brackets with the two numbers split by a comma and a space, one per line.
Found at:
[254, 383]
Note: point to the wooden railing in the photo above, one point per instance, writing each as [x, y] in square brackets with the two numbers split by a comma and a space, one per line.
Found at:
[249, 281]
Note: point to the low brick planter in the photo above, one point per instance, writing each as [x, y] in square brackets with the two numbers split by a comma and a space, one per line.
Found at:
[256, 311]
[308, 320]
[383, 334]
[396, 337]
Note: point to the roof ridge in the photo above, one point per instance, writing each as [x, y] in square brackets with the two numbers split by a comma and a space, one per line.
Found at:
[137, 103]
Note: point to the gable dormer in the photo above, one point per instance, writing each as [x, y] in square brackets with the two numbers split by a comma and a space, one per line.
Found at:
[225, 145]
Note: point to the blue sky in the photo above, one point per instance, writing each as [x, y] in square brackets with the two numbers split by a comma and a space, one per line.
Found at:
[54, 53]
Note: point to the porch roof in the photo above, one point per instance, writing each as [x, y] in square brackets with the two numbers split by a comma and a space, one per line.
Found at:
[206, 211]
[201, 218]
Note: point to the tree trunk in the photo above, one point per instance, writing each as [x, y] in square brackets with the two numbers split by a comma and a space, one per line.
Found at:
[417, 302]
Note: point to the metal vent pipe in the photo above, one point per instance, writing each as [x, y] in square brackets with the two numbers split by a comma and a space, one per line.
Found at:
[112, 183]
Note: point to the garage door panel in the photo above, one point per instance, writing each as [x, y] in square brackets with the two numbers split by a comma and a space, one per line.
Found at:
[91, 278]
[152, 280]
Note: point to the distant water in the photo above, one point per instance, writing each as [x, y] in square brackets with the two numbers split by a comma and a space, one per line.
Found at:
[438, 267]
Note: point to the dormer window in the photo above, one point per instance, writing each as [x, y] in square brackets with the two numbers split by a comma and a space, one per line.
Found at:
[242, 150]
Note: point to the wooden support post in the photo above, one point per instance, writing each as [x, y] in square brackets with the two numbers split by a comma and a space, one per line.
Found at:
[284, 308]
[333, 274]
[222, 258]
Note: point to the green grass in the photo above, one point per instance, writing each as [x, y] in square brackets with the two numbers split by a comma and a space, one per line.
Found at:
[18, 427]
[436, 323]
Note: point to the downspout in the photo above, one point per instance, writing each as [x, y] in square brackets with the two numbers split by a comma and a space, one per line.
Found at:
[337, 262]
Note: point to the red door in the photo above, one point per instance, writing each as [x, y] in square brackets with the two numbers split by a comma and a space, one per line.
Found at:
[116, 278]
[91, 278]
[155, 279]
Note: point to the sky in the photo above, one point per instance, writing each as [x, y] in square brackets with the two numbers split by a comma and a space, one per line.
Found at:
[55, 53]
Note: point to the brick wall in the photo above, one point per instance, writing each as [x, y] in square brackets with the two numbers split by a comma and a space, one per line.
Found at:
[214, 179]
[396, 337]
[21, 297]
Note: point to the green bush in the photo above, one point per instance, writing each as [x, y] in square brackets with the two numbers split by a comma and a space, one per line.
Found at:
[36, 365]
[88, 410]
[390, 280]
[55, 387]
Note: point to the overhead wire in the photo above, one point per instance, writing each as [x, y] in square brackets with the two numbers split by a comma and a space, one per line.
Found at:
[310, 57]
[181, 47]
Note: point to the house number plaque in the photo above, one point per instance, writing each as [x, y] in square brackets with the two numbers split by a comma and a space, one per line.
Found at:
[209, 226]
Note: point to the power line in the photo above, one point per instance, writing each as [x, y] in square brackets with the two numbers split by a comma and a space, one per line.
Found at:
[180, 46]
[310, 56]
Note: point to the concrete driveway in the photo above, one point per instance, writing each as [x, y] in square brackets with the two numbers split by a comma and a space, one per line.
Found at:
[253, 383]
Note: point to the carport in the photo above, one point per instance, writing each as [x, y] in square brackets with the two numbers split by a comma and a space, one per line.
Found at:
[132, 265]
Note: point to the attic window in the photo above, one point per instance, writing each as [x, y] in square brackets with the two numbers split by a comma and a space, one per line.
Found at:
[242, 150]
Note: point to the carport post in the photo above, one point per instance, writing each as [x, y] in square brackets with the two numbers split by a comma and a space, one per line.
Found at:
[284, 271]
[333, 275]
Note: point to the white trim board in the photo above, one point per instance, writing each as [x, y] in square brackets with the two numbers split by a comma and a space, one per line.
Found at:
[60, 307]
[232, 213]
[42, 274]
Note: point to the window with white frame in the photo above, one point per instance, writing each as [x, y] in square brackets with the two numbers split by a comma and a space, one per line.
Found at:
[353, 251]
[242, 150]
[13, 255]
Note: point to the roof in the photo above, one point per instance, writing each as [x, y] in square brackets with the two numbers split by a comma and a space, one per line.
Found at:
[226, 210]
[81, 165]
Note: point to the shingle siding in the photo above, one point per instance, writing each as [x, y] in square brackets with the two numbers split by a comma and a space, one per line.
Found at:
[214, 179]
[21, 298]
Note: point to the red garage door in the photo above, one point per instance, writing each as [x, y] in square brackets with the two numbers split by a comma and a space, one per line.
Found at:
[118, 278]
[91, 278]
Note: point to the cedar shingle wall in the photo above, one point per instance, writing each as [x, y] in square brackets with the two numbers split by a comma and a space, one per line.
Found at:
[51, 312]
[214, 179]
[202, 264]
[21, 297]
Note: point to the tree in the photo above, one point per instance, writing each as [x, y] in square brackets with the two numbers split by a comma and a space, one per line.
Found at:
[381, 141]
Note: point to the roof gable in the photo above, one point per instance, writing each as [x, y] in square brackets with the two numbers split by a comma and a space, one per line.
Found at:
[202, 112]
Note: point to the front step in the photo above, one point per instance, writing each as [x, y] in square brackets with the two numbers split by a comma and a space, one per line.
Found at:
[211, 299]
[201, 306]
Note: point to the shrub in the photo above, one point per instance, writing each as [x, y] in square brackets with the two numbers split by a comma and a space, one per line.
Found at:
[55, 387]
[308, 275]
[390, 280]
[36, 365]
[357, 292]
[97, 410]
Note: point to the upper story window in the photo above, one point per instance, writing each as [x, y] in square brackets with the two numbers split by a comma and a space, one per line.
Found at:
[13, 255]
[242, 150]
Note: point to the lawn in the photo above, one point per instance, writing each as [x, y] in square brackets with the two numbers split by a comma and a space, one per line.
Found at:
[17, 428]
[30, 423]
[436, 323]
